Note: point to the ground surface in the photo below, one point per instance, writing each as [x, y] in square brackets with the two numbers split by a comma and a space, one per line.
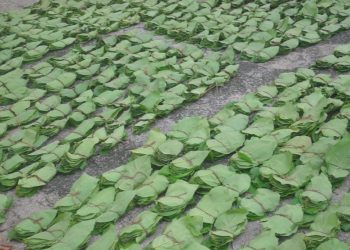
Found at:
[15, 4]
[250, 76]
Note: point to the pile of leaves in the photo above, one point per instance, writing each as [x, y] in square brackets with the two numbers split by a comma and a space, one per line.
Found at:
[339, 60]
[29, 34]
[95, 91]
[259, 29]
[290, 139]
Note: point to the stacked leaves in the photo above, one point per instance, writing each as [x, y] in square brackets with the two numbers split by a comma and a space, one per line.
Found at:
[145, 223]
[259, 30]
[29, 34]
[257, 205]
[285, 220]
[217, 201]
[134, 80]
[221, 175]
[343, 212]
[339, 60]
[5, 204]
[227, 226]
[183, 233]
[325, 226]
[317, 194]
[176, 198]
[288, 154]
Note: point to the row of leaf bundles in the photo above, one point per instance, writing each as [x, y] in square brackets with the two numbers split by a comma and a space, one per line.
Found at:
[97, 17]
[30, 35]
[195, 133]
[166, 93]
[119, 184]
[259, 31]
[147, 56]
[286, 220]
[88, 101]
[77, 155]
[14, 88]
[87, 202]
[189, 7]
[261, 150]
[157, 139]
[175, 9]
[277, 170]
[115, 212]
[235, 123]
[202, 24]
[210, 214]
[229, 223]
[290, 94]
[54, 232]
[211, 205]
[56, 225]
[293, 25]
[34, 170]
[145, 222]
[205, 129]
[323, 228]
[321, 237]
[277, 219]
[214, 203]
[339, 60]
[229, 127]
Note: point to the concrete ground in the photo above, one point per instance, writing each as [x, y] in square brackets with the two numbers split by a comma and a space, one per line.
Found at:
[6, 5]
[250, 76]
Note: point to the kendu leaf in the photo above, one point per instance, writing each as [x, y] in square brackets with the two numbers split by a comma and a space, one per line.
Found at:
[185, 165]
[76, 236]
[265, 240]
[122, 202]
[106, 241]
[333, 243]
[35, 223]
[227, 226]
[338, 155]
[31, 183]
[261, 202]
[285, 220]
[144, 224]
[81, 190]
[96, 205]
[192, 131]
[176, 198]
[221, 175]
[183, 233]
[225, 143]
[149, 190]
[317, 194]
[296, 242]
[5, 204]
[253, 153]
[50, 236]
[217, 201]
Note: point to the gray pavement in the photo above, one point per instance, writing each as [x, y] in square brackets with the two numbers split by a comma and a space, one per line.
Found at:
[250, 76]
[8, 5]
